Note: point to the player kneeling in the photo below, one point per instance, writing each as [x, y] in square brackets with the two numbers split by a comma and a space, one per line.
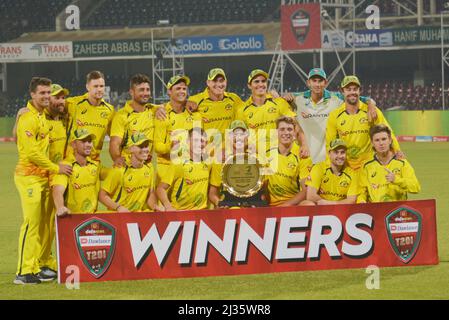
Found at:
[332, 181]
[131, 188]
[385, 177]
[78, 193]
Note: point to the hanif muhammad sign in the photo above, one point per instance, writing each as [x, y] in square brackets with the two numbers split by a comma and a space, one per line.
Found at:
[132, 246]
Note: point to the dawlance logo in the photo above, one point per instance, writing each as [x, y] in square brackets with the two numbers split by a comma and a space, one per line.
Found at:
[95, 240]
[284, 239]
[300, 24]
[404, 227]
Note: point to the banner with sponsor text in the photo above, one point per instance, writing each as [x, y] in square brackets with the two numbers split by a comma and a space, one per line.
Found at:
[39, 51]
[131, 246]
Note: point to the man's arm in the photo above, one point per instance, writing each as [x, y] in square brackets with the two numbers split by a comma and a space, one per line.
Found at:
[331, 129]
[161, 192]
[214, 195]
[298, 198]
[58, 199]
[19, 113]
[105, 199]
[118, 129]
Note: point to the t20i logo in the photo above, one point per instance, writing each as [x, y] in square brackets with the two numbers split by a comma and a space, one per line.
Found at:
[404, 232]
[300, 23]
[95, 240]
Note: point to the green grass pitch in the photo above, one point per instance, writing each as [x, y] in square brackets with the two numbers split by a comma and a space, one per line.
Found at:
[431, 163]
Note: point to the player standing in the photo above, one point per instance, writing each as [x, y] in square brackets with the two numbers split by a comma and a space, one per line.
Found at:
[136, 116]
[32, 180]
[349, 122]
[90, 111]
[313, 108]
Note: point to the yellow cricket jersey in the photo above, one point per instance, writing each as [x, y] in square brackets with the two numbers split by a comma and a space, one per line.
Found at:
[130, 187]
[174, 127]
[374, 186]
[264, 116]
[82, 186]
[96, 119]
[354, 130]
[189, 183]
[286, 173]
[126, 121]
[217, 114]
[58, 138]
[330, 186]
[33, 144]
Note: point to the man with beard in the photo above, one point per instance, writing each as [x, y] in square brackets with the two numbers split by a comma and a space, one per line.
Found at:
[350, 123]
[385, 177]
[90, 111]
[131, 188]
[136, 116]
[79, 192]
[57, 119]
[332, 181]
[186, 183]
[170, 137]
[287, 171]
[31, 179]
[313, 107]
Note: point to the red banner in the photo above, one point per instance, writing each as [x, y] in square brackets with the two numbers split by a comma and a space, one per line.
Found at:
[129, 246]
[300, 26]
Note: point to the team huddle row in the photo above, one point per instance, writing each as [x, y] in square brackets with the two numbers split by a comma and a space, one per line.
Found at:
[327, 148]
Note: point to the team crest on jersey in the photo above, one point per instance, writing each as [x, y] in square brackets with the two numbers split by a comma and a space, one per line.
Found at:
[404, 227]
[363, 120]
[300, 25]
[228, 107]
[344, 184]
[291, 165]
[104, 115]
[396, 171]
[134, 122]
[326, 180]
[93, 172]
[95, 240]
[272, 110]
[206, 109]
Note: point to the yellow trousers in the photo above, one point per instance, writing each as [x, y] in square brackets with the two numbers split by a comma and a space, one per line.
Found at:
[37, 230]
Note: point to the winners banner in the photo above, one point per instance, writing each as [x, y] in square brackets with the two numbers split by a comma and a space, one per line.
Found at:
[131, 246]
[300, 26]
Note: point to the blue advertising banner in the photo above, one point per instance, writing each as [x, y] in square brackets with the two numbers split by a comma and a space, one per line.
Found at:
[221, 44]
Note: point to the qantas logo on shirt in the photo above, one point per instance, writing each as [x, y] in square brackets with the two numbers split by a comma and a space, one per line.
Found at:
[306, 115]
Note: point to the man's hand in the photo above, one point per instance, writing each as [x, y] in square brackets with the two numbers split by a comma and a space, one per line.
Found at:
[22, 111]
[304, 152]
[122, 209]
[288, 97]
[170, 208]
[159, 208]
[161, 113]
[400, 155]
[65, 169]
[63, 211]
[390, 176]
[191, 106]
[119, 162]
[274, 94]
[372, 113]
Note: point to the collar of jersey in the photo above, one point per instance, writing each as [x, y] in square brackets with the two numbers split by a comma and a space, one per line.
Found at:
[268, 98]
[326, 94]
[207, 96]
[85, 98]
[32, 107]
[130, 109]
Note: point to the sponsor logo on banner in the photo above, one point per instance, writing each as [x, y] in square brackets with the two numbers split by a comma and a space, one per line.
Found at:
[423, 139]
[440, 139]
[406, 138]
[35, 51]
[300, 24]
[204, 45]
[333, 39]
[369, 38]
[95, 240]
[404, 232]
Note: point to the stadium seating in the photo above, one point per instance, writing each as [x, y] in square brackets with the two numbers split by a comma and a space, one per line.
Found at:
[23, 16]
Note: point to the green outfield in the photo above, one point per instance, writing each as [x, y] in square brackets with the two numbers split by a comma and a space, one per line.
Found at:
[431, 162]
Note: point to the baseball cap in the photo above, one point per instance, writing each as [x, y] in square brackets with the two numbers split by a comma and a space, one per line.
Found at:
[81, 134]
[213, 73]
[138, 138]
[337, 143]
[317, 72]
[175, 79]
[255, 73]
[57, 89]
[238, 124]
[348, 80]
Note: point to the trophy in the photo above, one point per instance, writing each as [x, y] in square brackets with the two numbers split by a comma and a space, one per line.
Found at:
[242, 182]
